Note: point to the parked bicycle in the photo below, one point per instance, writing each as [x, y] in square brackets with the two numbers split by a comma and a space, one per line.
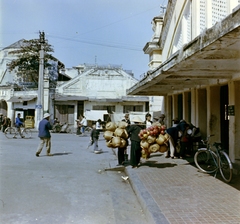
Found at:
[214, 158]
[13, 132]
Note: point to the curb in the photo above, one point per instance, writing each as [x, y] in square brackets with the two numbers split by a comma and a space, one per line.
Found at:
[152, 211]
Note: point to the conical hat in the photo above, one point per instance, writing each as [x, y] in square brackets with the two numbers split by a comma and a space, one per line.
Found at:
[137, 119]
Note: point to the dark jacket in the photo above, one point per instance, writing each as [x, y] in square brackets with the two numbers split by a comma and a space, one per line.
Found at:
[173, 132]
[43, 129]
[133, 131]
[95, 134]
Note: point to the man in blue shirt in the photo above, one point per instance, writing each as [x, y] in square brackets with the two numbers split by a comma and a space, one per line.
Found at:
[44, 134]
[18, 124]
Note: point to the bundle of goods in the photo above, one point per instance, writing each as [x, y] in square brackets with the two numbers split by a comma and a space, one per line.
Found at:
[153, 139]
[116, 134]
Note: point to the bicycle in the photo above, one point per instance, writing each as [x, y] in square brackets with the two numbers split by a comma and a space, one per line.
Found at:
[209, 161]
[12, 132]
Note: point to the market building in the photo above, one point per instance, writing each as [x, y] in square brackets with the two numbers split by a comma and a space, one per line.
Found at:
[195, 64]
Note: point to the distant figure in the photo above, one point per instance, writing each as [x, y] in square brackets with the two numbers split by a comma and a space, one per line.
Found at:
[4, 123]
[18, 124]
[1, 120]
[83, 124]
[94, 136]
[44, 135]
[78, 125]
[148, 121]
[98, 124]
[161, 120]
[126, 119]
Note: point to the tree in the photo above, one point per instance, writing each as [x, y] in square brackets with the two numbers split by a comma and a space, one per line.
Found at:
[27, 62]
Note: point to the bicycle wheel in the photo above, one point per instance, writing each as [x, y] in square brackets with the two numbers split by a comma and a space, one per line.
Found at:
[206, 161]
[225, 165]
[10, 132]
[26, 133]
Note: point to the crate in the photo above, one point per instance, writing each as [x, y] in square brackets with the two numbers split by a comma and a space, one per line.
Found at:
[29, 122]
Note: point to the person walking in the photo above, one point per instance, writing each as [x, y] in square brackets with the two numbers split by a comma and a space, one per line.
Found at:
[44, 135]
[1, 120]
[5, 124]
[133, 131]
[83, 124]
[94, 136]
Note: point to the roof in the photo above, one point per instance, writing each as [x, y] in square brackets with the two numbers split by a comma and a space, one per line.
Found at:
[71, 98]
[209, 58]
[16, 99]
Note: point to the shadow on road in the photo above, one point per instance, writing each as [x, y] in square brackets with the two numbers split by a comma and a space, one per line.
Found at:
[61, 153]
[158, 165]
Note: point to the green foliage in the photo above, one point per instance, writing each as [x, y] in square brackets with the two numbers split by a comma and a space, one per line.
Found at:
[27, 62]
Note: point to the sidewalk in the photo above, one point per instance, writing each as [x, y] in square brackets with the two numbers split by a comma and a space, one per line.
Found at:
[173, 191]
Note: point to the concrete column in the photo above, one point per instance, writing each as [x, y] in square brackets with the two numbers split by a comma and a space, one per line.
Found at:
[169, 110]
[194, 112]
[175, 106]
[201, 111]
[234, 121]
[75, 114]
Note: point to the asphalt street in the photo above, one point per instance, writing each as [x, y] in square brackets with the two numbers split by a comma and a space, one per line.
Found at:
[73, 186]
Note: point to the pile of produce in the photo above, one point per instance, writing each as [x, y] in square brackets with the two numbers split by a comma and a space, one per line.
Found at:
[116, 134]
[153, 139]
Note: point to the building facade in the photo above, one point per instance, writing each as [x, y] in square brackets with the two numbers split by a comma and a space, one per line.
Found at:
[197, 45]
[95, 87]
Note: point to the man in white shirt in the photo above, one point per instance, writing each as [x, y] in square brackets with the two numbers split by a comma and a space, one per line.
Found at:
[83, 123]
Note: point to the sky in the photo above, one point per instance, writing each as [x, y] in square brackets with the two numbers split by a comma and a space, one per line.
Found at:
[85, 31]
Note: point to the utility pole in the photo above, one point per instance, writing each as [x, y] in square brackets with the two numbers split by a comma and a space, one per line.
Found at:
[39, 106]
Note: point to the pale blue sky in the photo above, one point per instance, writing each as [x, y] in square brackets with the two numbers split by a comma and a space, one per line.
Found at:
[85, 31]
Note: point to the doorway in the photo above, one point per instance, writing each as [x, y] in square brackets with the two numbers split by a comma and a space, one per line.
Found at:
[224, 118]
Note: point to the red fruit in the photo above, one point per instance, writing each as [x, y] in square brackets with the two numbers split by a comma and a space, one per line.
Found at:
[151, 128]
[163, 127]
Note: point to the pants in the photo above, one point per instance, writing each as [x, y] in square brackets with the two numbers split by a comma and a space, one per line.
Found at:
[136, 153]
[43, 141]
[83, 129]
[95, 144]
[172, 148]
[121, 157]
[185, 148]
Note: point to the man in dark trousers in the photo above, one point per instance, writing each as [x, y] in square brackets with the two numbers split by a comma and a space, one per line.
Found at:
[44, 134]
[133, 131]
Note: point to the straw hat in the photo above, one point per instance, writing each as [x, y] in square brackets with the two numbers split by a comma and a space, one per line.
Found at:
[46, 115]
[137, 119]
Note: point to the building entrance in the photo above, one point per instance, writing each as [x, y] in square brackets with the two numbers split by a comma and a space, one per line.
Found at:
[224, 116]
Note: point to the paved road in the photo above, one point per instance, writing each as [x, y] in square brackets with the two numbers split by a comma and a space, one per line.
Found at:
[70, 187]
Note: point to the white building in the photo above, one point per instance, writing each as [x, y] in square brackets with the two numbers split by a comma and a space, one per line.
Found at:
[194, 64]
[95, 87]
